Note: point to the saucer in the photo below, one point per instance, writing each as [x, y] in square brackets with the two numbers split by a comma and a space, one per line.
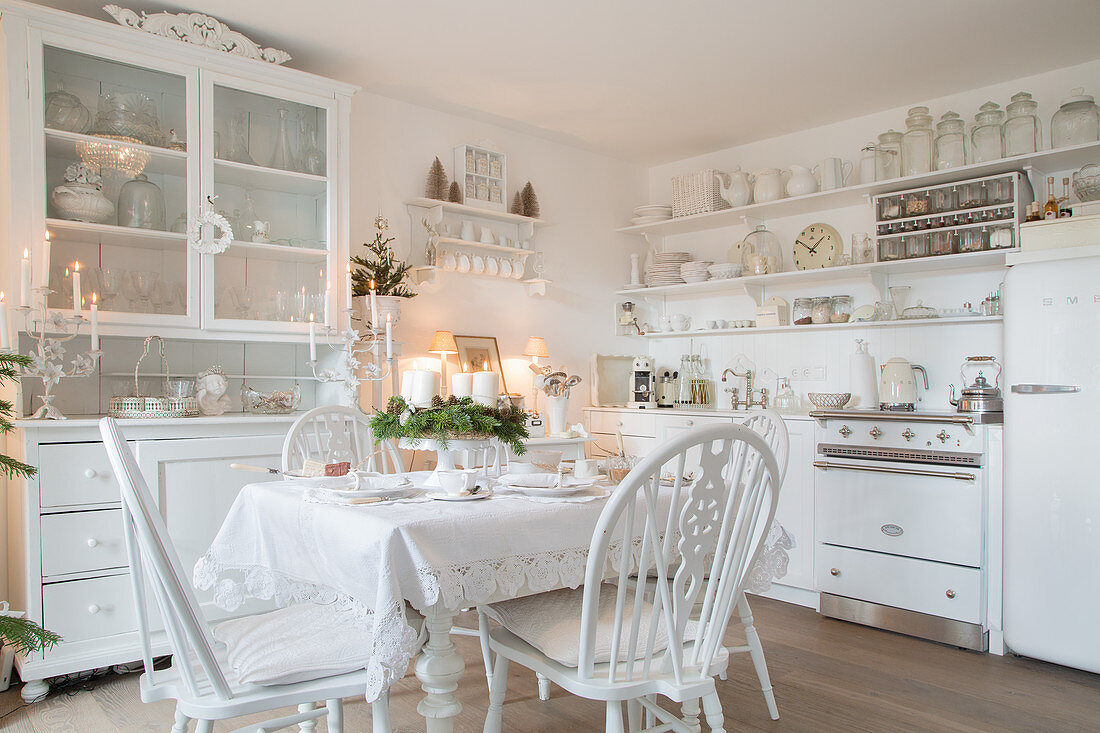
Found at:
[444, 496]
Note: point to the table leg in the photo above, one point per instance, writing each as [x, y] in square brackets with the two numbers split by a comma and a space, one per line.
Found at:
[439, 668]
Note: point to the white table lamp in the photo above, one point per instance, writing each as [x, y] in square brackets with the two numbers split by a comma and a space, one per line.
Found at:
[443, 343]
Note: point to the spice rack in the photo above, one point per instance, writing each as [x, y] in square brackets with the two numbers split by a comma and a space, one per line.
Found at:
[966, 216]
[484, 176]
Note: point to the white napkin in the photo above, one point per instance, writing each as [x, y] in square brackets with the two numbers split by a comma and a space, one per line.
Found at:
[543, 480]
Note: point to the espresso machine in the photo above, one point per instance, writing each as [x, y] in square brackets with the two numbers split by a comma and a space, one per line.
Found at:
[643, 392]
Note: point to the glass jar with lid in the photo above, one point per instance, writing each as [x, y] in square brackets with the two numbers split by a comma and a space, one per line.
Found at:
[1022, 129]
[889, 207]
[998, 191]
[916, 245]
[943, 199]
[916, 143]
[761, 255]
[889, 249]
[888, 156]
[1076, 122]
[971, 194]
[941, 242]
[949, 148]
[821, 311]
[986, 141]
[972, 239]
[841, 308]
[915, 203]
[1001, 237]
[803, 308]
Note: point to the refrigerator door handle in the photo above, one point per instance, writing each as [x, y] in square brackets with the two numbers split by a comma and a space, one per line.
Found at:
[1044, 388]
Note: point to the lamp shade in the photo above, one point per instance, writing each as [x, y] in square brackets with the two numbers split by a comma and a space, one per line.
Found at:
[443, 343]
[536, 346]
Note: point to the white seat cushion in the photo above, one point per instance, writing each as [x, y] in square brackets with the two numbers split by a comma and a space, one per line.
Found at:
[303, 642]
[551, 622]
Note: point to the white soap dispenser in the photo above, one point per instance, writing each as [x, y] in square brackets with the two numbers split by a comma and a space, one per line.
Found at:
[863, 380]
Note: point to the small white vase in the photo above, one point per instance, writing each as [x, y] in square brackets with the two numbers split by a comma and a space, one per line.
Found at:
[557, 411]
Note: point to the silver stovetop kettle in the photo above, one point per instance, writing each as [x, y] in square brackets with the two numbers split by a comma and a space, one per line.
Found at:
[980, 396]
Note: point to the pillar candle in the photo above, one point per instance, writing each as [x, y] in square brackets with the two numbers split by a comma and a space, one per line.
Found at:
[486, 388]
[25, 280]
[389, 337]
[418, 386]
[4, 343]
[76, 287]
[462, 384]
[95, 323]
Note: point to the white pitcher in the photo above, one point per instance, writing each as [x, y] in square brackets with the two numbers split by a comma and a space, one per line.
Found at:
[801, 182]
[768, 185]
[736, 187]
[833, 173]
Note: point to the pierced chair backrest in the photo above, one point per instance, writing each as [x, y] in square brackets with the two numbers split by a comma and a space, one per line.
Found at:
[708, 533]
[151, 555]
[335, 433]
[770, 426]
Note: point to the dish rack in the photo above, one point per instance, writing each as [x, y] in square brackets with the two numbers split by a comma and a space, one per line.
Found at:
[697, 193]
[138, 407]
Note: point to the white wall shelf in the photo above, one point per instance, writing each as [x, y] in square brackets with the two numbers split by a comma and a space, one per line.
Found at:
[904, 322]
[428, 274]
[473, 212]
[1045, 161]
[497, 248]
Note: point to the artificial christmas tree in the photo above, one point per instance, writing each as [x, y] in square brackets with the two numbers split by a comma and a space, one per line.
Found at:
[455, 194]
[517, 205]
[436, 187]
[530, 201]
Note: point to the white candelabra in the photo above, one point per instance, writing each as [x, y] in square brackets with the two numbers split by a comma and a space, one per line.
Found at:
[362, 358]
[50, 329]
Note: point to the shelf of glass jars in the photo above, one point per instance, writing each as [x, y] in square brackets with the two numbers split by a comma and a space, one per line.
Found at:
[63, 230]
[245, 175]
[69, 145]
[274, 252]
[1046, 161]
[853, 325]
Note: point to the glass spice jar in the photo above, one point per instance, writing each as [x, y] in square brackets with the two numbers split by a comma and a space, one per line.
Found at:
[973, 239]
[1001, 237]
[1022, 129]
[943, 199]
[916, 245]
[821, 311]
[1076, 122]
[841, 308]
[941, 242]
[888, 156]
[986, 141]
[915, 204]
[998, 191]
[889, 207]
[803, 308]
[916, 143]
[949, 148]
[891, 249]
[971, 195]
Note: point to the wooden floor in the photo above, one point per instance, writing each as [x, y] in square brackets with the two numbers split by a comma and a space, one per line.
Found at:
[828, 676]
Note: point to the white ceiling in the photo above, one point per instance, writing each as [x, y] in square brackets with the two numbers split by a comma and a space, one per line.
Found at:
[651, 81]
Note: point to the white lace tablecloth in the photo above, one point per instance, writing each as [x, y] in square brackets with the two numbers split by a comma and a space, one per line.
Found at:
[370, 559]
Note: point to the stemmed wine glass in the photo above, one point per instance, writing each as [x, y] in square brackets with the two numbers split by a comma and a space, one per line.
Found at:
[143, 282]
[242, 299]
[110, 285]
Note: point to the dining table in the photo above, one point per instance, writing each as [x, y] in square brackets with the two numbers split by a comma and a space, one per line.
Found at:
[296, 541]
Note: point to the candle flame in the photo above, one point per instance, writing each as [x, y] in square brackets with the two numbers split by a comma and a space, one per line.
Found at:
[349, 267]
[388, 317]
[66, 272]
[47, 235]
[93, 298]
[465, 366]
[26, 253]
[372, 283]
[76, 267]
[1, 296]
[311, 318]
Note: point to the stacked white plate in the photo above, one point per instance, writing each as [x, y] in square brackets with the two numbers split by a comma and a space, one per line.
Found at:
[665, 268]
[651, 213]
[695, 272]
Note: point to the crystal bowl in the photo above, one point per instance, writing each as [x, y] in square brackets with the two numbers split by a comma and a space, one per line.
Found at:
[829, 400]
[1086, 183]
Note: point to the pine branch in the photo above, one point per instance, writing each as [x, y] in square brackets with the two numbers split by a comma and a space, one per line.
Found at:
[10, 467]
[25, 636]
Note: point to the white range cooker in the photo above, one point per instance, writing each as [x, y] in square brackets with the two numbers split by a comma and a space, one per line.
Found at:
[908, 523]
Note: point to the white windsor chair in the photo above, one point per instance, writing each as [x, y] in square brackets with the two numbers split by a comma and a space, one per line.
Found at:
[335, 433]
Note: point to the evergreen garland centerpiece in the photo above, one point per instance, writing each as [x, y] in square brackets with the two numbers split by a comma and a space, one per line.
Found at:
[380, 266]
[21, 634]
[451, 419]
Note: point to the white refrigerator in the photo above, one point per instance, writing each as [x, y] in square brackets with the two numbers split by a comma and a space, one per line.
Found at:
[1052, 461]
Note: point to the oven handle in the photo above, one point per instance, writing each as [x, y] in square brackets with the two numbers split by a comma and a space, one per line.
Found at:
[958, 476]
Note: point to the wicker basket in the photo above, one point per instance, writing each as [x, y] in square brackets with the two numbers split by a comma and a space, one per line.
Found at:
[139, 407]
[697, 193]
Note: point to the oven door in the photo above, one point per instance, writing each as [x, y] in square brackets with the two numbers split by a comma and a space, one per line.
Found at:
[930, 512]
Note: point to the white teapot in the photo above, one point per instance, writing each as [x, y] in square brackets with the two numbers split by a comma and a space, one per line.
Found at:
[801, 181]
[736, 187]
[768, 185]
[260, 231]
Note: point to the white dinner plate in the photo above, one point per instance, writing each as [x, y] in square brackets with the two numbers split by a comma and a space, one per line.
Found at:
[444, 496]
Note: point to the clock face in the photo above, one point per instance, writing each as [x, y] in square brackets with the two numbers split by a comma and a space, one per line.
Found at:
[817, 246]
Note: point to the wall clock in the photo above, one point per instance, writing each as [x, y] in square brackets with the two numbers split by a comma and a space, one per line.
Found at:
[817, 246]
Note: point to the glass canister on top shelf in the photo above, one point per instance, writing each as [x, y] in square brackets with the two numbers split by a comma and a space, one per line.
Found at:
[1076, 122]
[888, 156]
[986, 142]
[949, 149]
[1022, 129]
[761, 254]
[916, 143]
[867, 163]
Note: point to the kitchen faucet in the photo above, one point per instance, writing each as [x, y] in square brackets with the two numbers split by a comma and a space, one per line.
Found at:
[749, 402]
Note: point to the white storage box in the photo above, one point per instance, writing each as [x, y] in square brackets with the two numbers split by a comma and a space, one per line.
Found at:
[773, 312]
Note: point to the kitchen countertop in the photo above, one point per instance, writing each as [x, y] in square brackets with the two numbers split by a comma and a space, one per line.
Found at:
[91, 421]
[699, 411]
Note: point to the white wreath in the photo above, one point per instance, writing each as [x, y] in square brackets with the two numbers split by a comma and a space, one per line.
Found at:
[213, 218]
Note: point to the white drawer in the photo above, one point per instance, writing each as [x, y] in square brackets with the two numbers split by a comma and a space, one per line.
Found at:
[933, 519]
[673, 421]
[936, 588]
[82, 541]
[75, 473]
[88, 609]
[604, 445]
[640, 423]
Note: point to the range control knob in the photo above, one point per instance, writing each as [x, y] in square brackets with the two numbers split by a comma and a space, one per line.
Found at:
[845, 430]
[943, 436]
[907, 434]
[876, 433]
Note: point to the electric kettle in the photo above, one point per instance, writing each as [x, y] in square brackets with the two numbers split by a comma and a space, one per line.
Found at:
[897, 391]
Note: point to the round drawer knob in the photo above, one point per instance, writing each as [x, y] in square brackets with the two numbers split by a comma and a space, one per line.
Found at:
[89, 473]
[690, 423]
[834, 572]
[93, 609]
[950, 593]
[619, 423]
[93, 542]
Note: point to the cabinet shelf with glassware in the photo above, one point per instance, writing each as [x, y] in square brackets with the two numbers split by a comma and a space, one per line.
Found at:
[128, 105]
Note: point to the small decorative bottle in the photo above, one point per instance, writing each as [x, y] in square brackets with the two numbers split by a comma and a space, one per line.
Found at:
[283, 158]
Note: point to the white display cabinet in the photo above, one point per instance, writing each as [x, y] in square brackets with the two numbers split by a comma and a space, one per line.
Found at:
[260, 141]
[483, 176]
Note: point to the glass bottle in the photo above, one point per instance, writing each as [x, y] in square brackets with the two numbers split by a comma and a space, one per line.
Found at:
[311, 158]
[867, 163]
[786, 401]
[248, 219]
[986, 142]
[949, 150]
[238, 139]
[1050, 209]
[916, 143]
[1022, 129]
[1076, 122]
[888, 156]
[683, 396]
[283, 157]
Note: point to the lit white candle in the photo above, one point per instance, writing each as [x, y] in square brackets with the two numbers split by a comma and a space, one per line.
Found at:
[486, 387]
[389, 337]
[76, 287]
[462, 384]
[312, 339]
[25, 279]
[95, 323]
[418, 386]
[4, 342]
[374, 324]
[347, 288]
[44, 276]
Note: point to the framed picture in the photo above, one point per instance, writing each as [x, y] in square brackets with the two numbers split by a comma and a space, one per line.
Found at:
[478, 353]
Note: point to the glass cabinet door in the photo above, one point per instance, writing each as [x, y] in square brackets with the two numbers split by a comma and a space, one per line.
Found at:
[267, 171]
[117, 173]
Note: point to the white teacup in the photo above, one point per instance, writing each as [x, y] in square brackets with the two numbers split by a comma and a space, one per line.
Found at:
[456, 482]
[586, 468]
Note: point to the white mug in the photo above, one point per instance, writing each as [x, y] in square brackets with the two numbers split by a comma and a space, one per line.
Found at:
[586, 468]
[834, 173]
[456, 482]
[467, 232]
[487, 236]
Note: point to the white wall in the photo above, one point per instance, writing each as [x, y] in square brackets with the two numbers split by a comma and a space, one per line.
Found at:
[584, 195]
[941, 349]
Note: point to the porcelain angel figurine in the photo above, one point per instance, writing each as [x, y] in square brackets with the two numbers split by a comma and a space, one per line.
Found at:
[212, 386]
